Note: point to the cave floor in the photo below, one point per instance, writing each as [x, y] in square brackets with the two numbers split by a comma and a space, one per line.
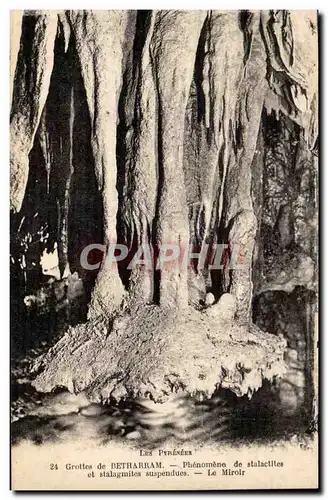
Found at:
[61, 417]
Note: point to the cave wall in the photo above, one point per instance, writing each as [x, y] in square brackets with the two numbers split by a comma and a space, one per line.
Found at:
[285, 278]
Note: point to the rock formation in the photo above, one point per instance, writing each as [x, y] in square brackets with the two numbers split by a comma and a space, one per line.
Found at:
[169, 108]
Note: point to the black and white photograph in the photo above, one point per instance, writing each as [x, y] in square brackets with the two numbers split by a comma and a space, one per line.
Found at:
[164, 249]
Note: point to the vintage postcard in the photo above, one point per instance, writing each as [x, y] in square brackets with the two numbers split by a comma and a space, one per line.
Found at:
[164, 249]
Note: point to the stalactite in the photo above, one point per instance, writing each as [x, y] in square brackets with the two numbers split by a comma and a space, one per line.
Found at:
[173, 61]
[141, 178]
[292, 47]
[99, 46]
[15, 37]
[45, 147]
[65, 206]
[31, 85]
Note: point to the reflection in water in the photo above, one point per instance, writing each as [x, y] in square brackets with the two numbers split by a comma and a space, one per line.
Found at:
[63, 417]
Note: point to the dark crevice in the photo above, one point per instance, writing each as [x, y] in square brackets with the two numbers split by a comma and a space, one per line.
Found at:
[290, 315]
[86, 207]
[198, 72]
[245, 22]
[127, 132]
[156, 226]
[25, 67]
